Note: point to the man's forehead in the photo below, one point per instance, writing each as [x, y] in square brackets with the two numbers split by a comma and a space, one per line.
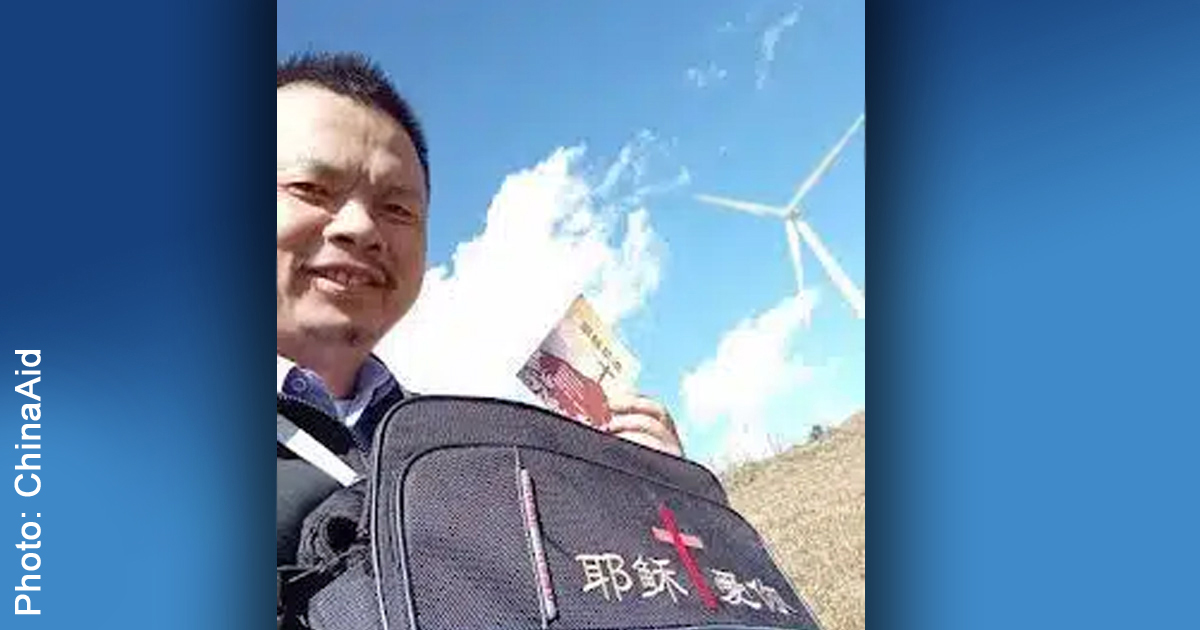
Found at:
[315, 124]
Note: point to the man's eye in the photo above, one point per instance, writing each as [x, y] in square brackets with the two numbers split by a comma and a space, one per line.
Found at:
[401, 212]
[309, 190]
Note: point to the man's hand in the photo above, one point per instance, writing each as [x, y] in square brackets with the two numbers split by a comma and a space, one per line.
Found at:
[644, 421]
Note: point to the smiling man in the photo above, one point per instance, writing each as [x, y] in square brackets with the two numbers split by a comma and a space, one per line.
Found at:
[352, 190]
[352, 197]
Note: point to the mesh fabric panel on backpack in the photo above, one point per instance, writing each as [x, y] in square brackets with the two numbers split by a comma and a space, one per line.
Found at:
[623, 536]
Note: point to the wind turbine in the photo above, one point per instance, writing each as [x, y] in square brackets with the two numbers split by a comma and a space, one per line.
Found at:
[797, 229]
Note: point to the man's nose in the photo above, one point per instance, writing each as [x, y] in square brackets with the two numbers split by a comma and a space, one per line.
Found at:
[354, 224]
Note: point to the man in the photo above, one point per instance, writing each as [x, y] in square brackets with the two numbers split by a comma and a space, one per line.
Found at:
[352, 190]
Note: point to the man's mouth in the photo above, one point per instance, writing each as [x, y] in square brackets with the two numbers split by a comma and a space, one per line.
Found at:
[347, 277]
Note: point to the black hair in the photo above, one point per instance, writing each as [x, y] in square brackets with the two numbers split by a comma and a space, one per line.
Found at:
[355, 76]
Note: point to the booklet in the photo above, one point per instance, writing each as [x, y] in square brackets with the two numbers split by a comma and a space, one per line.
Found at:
[579, 365]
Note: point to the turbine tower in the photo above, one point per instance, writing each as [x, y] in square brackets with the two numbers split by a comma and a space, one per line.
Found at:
[798, 229]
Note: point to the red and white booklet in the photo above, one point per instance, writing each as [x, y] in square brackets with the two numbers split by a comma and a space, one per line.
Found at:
[579, 365]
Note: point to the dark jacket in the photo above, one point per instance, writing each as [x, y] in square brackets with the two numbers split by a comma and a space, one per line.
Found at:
[300, 486]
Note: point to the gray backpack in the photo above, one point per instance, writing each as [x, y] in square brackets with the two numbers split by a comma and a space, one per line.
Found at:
[492, 514]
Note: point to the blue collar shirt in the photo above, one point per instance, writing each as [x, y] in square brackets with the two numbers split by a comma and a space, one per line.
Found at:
[373, 383]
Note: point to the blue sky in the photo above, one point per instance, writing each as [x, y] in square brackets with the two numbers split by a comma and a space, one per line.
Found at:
[579, 131]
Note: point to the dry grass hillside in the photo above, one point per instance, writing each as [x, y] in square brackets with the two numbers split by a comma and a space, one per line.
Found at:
[810, 503]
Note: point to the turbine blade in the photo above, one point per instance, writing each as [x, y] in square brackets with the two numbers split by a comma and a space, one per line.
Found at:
[794, 248]
[744, 206]
[826, 162]
[854, 296]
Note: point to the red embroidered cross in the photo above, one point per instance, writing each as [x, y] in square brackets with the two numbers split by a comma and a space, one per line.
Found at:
[682, 541]
[688, 540]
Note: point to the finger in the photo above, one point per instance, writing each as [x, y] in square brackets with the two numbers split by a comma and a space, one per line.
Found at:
[639, 423]
[637, 404]
[646, 431]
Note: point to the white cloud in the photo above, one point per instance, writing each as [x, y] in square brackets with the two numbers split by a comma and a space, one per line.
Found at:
[704, 77]
[767, 43]
[627, 182]
[550, 233]
[754, 366]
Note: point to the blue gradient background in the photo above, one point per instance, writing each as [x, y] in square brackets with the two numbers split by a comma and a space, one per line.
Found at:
[1033, 215]
[132, 141]
[1033, 211]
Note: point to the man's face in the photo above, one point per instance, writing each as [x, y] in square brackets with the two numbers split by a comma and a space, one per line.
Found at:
[350, 231]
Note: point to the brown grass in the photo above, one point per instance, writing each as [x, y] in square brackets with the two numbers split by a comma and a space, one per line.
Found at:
[809, 502]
